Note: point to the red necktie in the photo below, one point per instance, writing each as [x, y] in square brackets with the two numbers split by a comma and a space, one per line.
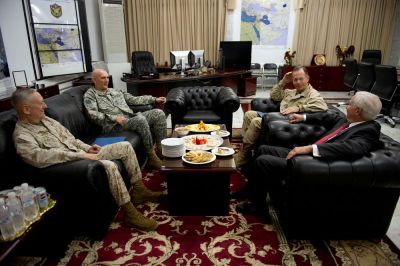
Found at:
[332, 134]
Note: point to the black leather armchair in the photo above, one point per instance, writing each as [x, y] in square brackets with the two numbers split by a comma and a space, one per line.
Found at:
[372, 56]
[265, 105]
[351, 73]
[143, 64]
[85, 205]
[333, 199]
[366, 77]
[189, 105]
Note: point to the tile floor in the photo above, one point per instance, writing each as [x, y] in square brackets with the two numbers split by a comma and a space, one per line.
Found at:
[394, 229]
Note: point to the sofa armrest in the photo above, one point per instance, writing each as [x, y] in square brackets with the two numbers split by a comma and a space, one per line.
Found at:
[279, 132]
[265, 105]
[141, 108]
[227, 100]
[175, 103]
[378, 170]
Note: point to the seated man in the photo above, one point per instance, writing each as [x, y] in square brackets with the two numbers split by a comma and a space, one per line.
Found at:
[353, 137]
[109, 109]
[42, 141]
[304, 98]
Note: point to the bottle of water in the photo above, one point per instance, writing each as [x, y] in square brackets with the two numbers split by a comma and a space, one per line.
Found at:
[29, 205]
[15, 208]
[6, 223]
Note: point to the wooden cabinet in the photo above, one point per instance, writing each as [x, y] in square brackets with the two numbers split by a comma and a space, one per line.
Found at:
[324, 78]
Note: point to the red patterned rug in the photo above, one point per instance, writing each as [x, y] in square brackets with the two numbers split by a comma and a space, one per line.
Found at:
[225, 240]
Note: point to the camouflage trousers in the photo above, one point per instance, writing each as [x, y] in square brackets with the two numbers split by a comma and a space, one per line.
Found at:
[124, 152]
[148, 124]
[251, 127]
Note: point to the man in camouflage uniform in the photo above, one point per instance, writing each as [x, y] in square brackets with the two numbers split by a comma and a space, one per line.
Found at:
[109, 109]
[42, 141]
[303, 98]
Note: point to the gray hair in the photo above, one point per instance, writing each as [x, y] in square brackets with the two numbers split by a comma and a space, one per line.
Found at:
[20, 96]
[298, 68]
[369, 103]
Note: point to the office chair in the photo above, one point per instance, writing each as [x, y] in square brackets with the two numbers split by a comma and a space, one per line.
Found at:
[351, 74]
[372, 56]
[271, 71]
[143, 64]
[257, 72]
[366, 77]
[385, 86]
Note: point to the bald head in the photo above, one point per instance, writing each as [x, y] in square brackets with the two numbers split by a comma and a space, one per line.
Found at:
[100, 79]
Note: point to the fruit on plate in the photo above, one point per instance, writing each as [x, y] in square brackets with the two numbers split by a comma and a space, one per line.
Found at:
[201, 125]
[199, 140]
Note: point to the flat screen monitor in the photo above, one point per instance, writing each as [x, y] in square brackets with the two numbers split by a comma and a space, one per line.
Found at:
[179, 60]
[237, 54]
[196, 58]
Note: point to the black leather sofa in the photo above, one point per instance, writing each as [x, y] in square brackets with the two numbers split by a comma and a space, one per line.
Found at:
[84, 203]
[333, 199]
[189, 105]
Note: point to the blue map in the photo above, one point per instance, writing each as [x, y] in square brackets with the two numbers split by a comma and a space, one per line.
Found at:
[265, 22]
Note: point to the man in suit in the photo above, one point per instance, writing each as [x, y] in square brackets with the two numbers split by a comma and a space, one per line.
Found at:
[350, 138]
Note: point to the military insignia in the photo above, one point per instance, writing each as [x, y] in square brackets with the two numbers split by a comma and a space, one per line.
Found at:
[56, 10]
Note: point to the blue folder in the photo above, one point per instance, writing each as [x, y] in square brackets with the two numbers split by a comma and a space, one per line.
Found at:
[108, 140]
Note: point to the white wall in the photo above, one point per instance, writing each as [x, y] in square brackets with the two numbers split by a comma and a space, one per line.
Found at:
[260, 53]
[13, 29]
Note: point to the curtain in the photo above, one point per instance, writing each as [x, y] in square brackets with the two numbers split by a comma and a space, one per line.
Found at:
[323, 24]
[161, 26]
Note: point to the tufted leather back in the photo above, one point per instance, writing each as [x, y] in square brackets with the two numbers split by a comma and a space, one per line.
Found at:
[201, 98]
[143, 64]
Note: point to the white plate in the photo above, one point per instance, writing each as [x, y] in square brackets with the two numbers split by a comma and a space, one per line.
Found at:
[221, 133]
[206, 162]
[212, 142]
[225, 151]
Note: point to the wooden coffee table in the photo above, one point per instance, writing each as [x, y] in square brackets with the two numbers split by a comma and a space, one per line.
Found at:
[199, 189]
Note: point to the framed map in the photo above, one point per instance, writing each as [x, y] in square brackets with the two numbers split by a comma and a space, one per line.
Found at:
[57, 37]
[265, 22]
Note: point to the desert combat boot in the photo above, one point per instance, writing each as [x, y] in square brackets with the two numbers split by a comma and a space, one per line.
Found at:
[140, 193]
[153, 161]
[133, 218]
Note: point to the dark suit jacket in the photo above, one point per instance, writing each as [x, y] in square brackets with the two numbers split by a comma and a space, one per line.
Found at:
[352, 143]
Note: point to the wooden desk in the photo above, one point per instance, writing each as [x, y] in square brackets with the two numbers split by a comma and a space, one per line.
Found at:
[46, 92]
[241, 81]
[324, 78]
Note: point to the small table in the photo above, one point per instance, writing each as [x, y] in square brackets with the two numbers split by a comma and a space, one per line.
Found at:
[199, 189]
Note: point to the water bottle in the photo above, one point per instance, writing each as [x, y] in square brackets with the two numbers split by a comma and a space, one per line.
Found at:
[15, 208]
[29, 204]
[6, 223]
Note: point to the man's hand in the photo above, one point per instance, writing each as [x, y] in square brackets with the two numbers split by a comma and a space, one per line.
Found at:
[91, 156]
[287, 78]
[298, 151]
[293, 109]
[295, 118]
[121, 119]
[94, 149]
[160, 100]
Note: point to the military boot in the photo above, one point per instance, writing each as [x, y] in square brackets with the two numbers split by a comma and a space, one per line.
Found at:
[244, 155]
[133, 218]
[140, 193]
[153, 161]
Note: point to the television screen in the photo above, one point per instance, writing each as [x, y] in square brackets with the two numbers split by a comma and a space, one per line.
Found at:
[179, 60]
[196, 58]
[237, 54]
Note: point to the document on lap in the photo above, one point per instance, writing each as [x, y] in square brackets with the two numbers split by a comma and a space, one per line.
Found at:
[108, 140]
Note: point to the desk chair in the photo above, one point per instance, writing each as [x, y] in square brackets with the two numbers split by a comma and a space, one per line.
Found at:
[351, 74]
[143, 64]
[271, 71]
[257, 72]
[366, 77]
[372, 56]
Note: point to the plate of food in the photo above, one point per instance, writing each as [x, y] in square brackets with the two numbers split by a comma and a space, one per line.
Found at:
[221, 133]
[223, 151]
[198, 157]
[202, 127]
[202, 142]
